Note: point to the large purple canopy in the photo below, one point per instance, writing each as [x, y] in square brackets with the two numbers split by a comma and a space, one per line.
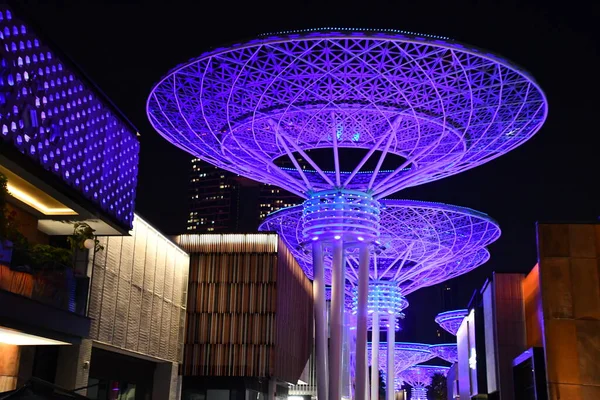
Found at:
[450, 320]
[374, 111]
[447, 352]
[423, 243]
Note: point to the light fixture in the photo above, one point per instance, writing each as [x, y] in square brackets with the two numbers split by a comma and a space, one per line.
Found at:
[315, 238]
[337, 237]
[35, 203]
[360, 238]
[14, 337]
[88, 243]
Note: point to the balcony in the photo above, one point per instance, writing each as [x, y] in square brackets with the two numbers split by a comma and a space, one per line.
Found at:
[41, 275]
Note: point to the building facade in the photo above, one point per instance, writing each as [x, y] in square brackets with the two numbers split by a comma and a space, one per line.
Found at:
[249, 317]
[137, 307]
[223, 202]
[68, 159]
[536, 336]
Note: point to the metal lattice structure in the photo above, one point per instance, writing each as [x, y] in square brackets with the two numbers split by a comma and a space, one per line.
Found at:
[418, 377]
[426, 108]
[450, 320]
[406, 355]
[447, 352]
[421, 243]
[344, 118]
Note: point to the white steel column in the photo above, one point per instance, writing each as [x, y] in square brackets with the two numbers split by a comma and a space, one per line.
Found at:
[346, 392]
[391, 345]
[375, 357]
[320, 310]
[361, 324]
[337, 322]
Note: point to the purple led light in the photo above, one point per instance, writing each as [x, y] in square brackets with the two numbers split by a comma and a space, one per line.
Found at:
[405, 355]
[450, 320]
[422, 243]
[420, 375]
[447, 352]
[433, 107]
[58, 121]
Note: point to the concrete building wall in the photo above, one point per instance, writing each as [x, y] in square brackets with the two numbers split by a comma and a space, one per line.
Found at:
[569, 262]
[138, 293]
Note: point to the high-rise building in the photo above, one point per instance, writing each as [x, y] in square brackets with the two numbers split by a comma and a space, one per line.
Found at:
[221, 201]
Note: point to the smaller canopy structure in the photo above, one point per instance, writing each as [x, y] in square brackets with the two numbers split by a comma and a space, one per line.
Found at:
[450, 320]
[421, 243]
[406, 355]
[420, 376]
[447, 352]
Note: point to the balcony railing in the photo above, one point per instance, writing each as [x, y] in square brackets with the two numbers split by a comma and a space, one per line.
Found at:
[48, 282]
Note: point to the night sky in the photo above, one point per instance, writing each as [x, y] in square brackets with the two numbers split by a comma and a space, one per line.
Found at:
[126, 48]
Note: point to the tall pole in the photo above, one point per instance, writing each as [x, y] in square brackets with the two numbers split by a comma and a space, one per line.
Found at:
[361, 324]
[346, 392]
[337, 321]
[375, 357]
[320, 321]
[391, 345]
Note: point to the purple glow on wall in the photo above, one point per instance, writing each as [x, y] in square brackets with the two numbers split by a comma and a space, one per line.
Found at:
[425, 107]
[56, 119]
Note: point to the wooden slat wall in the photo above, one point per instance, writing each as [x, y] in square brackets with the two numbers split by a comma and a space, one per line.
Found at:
[139, 293]
[294, 318]
[231, 314]
[249, 308]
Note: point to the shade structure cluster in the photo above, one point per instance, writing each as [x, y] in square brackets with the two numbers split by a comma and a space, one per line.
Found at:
[406, 355]
[447, 352]
[450, 320]
[344, 118]
[420, 244]
[420, 376]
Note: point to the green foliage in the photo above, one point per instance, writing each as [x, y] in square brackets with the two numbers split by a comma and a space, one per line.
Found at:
[42, 254]
[8, 224]
[438, 388]
[82, 232]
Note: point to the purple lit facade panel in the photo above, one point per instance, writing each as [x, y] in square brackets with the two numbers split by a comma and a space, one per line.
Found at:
[56, 118]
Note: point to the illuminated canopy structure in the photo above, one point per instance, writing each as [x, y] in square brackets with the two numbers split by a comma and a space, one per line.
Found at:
[406, 355]
[447, 352]
[450, 320]
[418, 377]
[421, 244]
[343, 118]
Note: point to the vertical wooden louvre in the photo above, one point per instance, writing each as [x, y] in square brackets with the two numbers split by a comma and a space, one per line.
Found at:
[249, 308]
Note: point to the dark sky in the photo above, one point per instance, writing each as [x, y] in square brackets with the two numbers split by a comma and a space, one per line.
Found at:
[127, 46]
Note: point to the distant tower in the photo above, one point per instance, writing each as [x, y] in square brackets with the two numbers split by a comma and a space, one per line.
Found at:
[221, 201]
